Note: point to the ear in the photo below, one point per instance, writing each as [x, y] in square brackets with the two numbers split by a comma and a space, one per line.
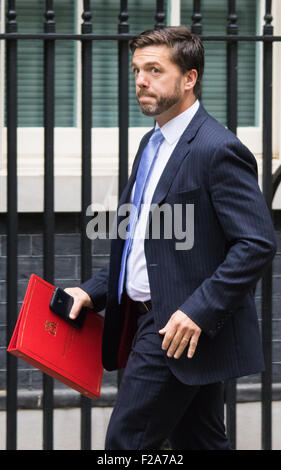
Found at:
[190, 79]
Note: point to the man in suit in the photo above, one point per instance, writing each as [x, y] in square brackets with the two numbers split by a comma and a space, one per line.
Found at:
[181, 315]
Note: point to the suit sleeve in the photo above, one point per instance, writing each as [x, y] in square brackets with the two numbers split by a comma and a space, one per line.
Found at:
[97, 288]
[246, 222]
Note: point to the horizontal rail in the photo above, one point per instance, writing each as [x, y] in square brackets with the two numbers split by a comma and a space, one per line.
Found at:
[126, 37]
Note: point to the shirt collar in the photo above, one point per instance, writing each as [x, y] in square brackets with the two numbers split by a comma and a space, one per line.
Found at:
[174, 128]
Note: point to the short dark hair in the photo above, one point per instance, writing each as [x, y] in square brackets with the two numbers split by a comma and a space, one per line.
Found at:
[187, 50]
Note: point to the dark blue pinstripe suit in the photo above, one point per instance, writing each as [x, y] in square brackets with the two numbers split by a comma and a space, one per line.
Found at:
[214, 282]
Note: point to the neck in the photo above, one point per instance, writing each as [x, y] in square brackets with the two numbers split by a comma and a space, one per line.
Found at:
[175, 110]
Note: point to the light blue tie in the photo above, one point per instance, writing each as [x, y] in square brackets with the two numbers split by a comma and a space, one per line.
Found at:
[144, 170]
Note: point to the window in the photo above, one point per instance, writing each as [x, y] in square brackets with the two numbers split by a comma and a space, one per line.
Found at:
[30, 18]
[214, 21]
[105, 60]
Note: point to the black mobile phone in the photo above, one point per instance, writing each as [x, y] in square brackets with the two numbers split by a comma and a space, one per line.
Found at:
[61, 304]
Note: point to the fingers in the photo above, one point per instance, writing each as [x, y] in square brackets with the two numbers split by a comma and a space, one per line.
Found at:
[81, 299]
[177, 345]
[180, 332]
[181, 347]
[192, 346]
[76, 308]
[169, 331]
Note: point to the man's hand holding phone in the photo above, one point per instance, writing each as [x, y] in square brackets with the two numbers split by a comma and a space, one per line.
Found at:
[81, 299]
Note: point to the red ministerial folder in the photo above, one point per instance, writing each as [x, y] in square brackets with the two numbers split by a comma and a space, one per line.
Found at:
[47, 342]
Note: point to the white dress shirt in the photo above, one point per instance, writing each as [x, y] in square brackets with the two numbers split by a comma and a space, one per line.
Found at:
[137, 283]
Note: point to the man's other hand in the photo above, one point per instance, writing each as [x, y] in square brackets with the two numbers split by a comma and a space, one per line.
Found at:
[81, 299]
[178, 333]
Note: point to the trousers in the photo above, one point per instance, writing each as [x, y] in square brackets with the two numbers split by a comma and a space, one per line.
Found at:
[153, 406]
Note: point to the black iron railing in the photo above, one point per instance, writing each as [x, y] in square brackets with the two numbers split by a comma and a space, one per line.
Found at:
[270, 184]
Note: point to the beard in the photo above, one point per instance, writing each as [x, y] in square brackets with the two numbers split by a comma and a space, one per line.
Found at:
[162, 103]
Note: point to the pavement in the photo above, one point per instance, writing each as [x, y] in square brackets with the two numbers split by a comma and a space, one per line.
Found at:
[67, 427]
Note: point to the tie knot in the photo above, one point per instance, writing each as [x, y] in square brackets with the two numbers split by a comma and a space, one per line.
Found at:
[157, 136]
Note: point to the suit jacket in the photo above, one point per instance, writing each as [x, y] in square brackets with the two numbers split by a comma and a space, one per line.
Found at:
[213, 281]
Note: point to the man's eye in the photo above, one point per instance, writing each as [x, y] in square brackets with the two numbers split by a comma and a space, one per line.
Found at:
[155, 70]
[135, 71]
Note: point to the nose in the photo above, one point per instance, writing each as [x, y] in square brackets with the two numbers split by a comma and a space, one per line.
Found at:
[141, 80]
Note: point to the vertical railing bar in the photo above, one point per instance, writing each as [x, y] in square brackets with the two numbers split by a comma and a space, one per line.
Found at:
[232, 97]
[12, 226]
[160, 16]
[86, 190]
[267, 191]
[196, 26]
[49, 218]
[123, 108]
[123, 96]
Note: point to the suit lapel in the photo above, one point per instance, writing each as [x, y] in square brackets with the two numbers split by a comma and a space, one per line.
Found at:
[180, 152]
[175, 160]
